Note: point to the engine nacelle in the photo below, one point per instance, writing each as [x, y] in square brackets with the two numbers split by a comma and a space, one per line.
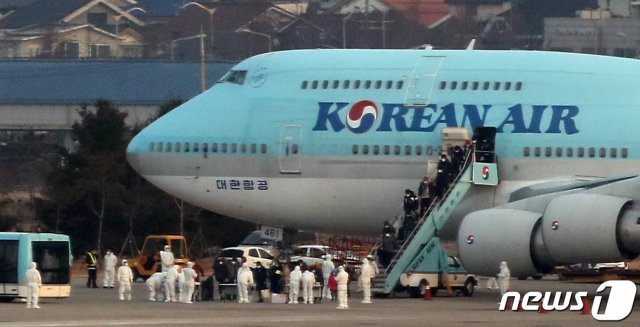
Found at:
[574, 228]
[487, 237]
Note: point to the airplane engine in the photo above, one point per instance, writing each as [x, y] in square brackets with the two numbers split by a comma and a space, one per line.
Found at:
[574, 228]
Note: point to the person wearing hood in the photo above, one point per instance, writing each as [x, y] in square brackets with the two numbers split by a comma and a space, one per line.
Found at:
[189, 276]
[503, 277]
[155, 284]
[308, 279]
[294, 285]
[342, 279]
[366, 274]
[333, 285]
[244, 278]
[166, 258]
[170, 284]
[110, 262]
[327, 268]
[125, 277]
[34, 282]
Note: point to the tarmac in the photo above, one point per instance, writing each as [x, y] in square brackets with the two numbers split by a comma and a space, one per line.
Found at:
[101, 307]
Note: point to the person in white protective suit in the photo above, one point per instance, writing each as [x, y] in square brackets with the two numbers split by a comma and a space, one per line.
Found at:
[327, 268]
[125, 278]
[294, 285]
[189, 276]
[308, 279]
[155, 283]
[342, 279]
[166, 258]
[34, 282]
[244, 278]
[170, 284]
[503, 277]
[366, 273]
[110, 262]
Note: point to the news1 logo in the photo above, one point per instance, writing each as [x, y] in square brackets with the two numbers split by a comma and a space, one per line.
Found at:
[622, 296]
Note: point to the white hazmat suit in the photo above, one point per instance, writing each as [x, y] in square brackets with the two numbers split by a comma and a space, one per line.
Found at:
[170, 284]
[342, 279]
[155, 283]
[245, 278]
[34, 282]
[110, 262]
[503, 278]
[125, 277]
[189, 279]
[294, 285]
[308, 279]
[327, 268]
[366, 273]
[166, 258]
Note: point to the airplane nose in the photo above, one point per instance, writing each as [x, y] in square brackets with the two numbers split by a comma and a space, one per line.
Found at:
[133, 154]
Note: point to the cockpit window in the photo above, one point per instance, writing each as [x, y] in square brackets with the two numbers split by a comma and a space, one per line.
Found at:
[234, 76]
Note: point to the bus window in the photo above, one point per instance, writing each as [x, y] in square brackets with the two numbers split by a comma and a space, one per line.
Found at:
[52, 259]
[9, 266]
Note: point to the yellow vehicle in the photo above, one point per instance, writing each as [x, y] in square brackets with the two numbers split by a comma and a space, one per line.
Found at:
[148, 262]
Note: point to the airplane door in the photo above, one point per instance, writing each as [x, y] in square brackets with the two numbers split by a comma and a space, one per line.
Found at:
[422, 80]
[290, 142]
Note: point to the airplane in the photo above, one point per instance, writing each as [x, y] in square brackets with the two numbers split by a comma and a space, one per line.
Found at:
[328, 140]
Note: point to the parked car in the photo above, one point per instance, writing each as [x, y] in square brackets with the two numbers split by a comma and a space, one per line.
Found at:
[253, 254]
[312, 255]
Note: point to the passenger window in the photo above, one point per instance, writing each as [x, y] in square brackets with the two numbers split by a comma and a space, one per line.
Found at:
[547, 151]
[580, 152]
[243, 148]
[177, 146]
[485, 86]
[356, 84]
[205, 147]
[613, 152]
[263, 148]
[224, 147]
[537, 151]
[387, 150]
[152, 146]
[254, 148]
[354, 149]
[367, 85]
[429, 150]
[325, 84]
[407, 150]
[592, 152]
[365, 149]
[167, 147]
[603, 152]
[443, 85]
[558, 152]
[159, 148]
[526, 151]
[464, 85]
[396, 150]
[314, 85]
[294, 149]
[475, 85]
[376, 150]
[336, 84]
[186, 147]
[454, 85]
[345, 84]
[254, 253]
[196, 147]
[234, 147]
[507, 86]
[214, 147]
[418, 150]
[399, 85]
[378, 84]
[569, 152]
[304, 85]
[518, 86]
[624, 152]
[389, 85]
[496, 86]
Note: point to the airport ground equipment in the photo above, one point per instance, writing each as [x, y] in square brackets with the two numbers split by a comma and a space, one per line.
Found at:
[148, 262]
[480, 168]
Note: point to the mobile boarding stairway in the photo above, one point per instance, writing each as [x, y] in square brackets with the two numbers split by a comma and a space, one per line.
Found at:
[421, 251]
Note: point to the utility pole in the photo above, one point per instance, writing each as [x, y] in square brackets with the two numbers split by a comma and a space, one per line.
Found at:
[203, 74]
